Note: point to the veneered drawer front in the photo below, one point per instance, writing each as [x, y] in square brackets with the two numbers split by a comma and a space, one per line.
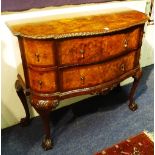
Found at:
[42, 81]
[91, 75]
[39, 52]
[100, 48]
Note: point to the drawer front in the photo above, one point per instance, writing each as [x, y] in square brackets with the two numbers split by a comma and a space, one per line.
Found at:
[81, 77]
[42, 81]
[95, 49]
[39, 52]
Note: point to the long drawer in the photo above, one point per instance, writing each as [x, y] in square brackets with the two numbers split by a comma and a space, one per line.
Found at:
[45, 80]
[94, 49]
[91, 75]
[80, 50]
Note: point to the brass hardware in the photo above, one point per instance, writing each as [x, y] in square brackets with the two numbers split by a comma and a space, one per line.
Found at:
[37, 56]
[125, 43]
[82, 79]
[122, 67]
[40, 84]
[82, 52]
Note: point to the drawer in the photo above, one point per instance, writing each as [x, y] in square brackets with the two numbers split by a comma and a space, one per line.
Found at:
[91, 75]
[39, 52]
[95, 49]
[42, 81]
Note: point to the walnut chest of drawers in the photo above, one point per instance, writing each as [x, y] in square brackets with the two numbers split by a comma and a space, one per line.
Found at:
[75, 56]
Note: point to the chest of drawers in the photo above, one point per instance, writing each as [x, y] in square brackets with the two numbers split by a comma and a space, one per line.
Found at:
[75, 56]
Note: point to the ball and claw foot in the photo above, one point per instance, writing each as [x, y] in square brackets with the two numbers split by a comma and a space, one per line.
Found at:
[133, 106]
[24, 122]
[47, 144]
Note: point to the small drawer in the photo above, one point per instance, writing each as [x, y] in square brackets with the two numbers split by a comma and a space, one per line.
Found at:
[39, 52]
[100, 48]
[42, 81]
[83, 77]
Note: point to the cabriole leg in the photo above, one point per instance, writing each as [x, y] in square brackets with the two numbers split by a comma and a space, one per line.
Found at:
[44, 106]
[20, 92]
[47, 142]
[132, 105]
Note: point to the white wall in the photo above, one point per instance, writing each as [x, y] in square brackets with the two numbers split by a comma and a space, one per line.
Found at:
[11, 108]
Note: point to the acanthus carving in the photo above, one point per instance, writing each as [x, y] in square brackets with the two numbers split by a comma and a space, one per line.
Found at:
[104, 91]
[41, 104]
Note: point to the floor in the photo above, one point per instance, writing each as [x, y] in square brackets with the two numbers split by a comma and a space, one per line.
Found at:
[89, 125]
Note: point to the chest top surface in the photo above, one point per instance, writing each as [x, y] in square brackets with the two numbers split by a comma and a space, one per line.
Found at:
[82, 25]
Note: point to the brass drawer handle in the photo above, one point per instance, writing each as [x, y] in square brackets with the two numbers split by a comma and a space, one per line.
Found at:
[82, 78]
[125, 43]
[40, 84]
[82, 53]
[122, 67]
[37, 56]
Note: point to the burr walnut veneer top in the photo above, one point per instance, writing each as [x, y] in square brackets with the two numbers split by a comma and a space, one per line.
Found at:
[79, 26]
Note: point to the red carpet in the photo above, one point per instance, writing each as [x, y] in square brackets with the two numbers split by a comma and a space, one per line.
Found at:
[140, 144]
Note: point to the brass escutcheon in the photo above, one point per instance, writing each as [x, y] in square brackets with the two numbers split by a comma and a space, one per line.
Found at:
[40, 83]
[122, 67]
[82, 52]
[82, 79]
[37, 56]
[125, 43]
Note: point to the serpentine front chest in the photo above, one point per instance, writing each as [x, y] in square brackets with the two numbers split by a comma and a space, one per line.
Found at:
[67, 57]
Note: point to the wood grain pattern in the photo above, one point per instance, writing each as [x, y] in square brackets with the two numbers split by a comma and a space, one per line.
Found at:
[88, 76]
[99, 48]
[39, 52]
[80, 26]
[42, 81]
